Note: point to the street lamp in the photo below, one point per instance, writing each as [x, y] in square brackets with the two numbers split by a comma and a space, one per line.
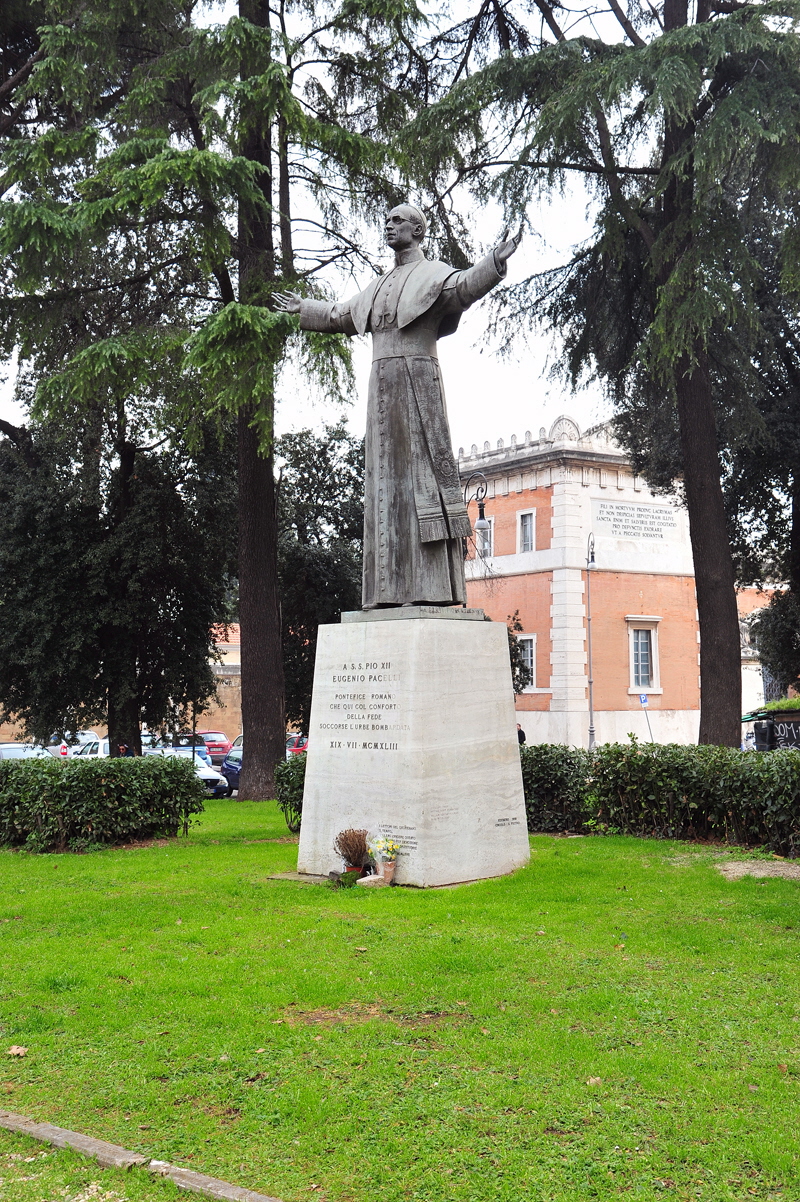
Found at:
[589, 567]
[482, 526]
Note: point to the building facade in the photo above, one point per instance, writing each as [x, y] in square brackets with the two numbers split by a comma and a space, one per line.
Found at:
[545, 497]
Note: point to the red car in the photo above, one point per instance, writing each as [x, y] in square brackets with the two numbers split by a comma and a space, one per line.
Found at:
[217, 744]
[296, 744]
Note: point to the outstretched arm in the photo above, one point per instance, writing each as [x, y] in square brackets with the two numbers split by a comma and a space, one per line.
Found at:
[316, 315]
[467, 287]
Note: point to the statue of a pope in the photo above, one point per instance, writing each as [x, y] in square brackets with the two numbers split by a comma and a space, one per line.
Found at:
[414, 512]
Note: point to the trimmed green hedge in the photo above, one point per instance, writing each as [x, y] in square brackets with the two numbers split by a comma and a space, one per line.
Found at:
[555, 780]
[55, 806]
[290, 777]
[666, 791]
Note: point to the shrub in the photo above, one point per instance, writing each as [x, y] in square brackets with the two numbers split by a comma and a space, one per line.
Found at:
[52, 806]
[666, 790]
[554, 779]
[290, 777]
[679, 792]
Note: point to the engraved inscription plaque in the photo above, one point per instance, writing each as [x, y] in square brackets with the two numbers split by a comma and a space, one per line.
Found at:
[397, 746]
[651, 524]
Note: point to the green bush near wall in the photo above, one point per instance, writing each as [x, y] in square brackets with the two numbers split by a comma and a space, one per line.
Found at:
[667, 791]
[290, 778]
[56, 806]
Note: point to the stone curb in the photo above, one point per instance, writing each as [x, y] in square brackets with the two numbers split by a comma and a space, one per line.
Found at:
[110, 1156]
[199, 1183]
[113, 1157]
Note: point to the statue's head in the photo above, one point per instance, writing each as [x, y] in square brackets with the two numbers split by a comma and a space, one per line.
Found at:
[405, 227]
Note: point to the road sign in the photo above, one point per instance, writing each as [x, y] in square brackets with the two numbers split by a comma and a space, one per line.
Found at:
[643, 698]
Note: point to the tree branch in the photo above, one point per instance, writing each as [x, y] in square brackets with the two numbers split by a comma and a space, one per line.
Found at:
[626, 23]
[553, 25]
[210, 210]
[22, 74]
[624, 207]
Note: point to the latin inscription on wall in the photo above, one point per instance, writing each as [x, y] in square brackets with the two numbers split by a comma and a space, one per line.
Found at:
[362, 708]
[633, 519]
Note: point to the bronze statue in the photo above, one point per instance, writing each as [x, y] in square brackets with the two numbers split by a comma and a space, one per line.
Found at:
[414, 512]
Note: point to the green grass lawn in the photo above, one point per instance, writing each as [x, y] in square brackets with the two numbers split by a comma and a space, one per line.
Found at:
[615, 1020]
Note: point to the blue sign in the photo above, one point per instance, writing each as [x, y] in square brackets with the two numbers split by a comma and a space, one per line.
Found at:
[643, 698]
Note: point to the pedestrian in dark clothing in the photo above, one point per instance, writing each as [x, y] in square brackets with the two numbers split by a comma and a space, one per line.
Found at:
[520, 733]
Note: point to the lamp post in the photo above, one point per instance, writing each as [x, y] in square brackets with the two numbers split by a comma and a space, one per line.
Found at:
[482, 526]
[589, 568]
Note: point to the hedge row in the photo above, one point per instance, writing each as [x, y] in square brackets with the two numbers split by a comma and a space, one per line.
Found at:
[666, 791]
[55, 806]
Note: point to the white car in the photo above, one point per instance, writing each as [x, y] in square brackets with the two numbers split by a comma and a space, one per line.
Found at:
[61, 749]
[214, 781]
[23, 751]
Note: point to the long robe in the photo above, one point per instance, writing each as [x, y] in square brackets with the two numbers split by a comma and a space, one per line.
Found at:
[414, 512]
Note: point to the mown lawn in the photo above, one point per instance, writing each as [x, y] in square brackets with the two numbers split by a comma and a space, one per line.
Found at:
[615, 1020]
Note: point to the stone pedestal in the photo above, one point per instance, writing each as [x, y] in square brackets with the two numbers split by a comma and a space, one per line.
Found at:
[413, 735]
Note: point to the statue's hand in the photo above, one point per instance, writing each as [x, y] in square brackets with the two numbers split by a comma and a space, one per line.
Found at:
[506, 246]
[286, 302]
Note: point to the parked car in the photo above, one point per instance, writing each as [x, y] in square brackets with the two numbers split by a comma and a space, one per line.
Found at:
[198, 752]
[97, 749]
[231, 767]
[217, 743]
[23, 751]
[237, 742]
[296, 744]
[214, 781]
[68, 746]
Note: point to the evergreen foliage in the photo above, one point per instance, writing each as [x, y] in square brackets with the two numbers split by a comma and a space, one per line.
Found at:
[520, 672]
[321, 518]
[50, 806]
[679, 129]
[113, 574]
[181, 172]
[777, 635]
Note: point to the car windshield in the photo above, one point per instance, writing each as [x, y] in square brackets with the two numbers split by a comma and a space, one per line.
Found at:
[214, 738]
[235, 756]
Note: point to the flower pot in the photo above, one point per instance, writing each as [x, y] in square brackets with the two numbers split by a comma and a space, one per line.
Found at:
[388, 870]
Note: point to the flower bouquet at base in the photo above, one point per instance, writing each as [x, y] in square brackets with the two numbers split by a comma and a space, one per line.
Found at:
[386, 851]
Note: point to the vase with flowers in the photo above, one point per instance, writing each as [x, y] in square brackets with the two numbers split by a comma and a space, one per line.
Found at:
[385, 851]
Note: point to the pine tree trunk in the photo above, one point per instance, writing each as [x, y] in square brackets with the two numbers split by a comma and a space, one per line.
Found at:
[120, 653]
[263, 720]
[720, 645]
[715, 582]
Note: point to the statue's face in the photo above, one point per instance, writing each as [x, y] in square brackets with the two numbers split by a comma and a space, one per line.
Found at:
[402, 232]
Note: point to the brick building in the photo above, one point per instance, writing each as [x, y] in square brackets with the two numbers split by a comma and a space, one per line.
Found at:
[545, 496]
